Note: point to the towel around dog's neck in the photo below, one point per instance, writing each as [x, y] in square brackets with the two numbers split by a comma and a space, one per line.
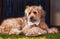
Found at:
[35, 23]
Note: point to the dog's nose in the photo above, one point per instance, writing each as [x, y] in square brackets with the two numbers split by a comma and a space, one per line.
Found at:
[31, 17]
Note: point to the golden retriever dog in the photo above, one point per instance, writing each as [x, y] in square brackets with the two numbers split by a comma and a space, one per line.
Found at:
[12, 26]
[35, 22]
[32, 24]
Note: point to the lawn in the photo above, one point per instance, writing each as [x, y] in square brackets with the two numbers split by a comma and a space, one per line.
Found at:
[46, 36]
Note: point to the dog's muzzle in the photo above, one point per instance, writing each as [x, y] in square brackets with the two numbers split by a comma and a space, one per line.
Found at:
[32, 19]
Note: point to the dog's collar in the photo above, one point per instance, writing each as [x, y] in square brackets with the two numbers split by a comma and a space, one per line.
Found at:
[35, 23]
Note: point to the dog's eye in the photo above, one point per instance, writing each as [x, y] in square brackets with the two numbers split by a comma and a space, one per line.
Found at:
[29, 12]
[34, 12]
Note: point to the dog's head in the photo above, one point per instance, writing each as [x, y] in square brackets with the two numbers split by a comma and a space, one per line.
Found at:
[34, 13]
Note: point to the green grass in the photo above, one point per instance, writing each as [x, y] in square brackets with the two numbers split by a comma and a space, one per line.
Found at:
[46, 36]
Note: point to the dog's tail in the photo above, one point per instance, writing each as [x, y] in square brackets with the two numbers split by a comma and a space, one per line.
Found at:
[1, 29]
[53, 30]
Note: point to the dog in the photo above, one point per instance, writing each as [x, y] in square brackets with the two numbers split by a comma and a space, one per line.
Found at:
[35, 22]
[32, 24]
[12, 26]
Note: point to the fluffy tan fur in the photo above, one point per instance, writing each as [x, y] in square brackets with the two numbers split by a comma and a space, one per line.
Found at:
[37, 25]
[33, 24]
[12, 26]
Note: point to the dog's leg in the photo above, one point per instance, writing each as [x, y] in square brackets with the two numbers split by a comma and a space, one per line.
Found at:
[53, 31]
[43, 26]
[14, 31]
[35, 31]
[26, 29]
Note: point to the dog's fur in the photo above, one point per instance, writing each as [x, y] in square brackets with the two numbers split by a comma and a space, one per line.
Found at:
[12, 26]
[32, 24]
[36, 22]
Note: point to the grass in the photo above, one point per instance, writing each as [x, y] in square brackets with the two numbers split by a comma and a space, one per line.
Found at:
[46, 36]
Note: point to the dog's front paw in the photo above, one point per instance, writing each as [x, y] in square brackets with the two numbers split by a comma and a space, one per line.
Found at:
[53, 31]
[31, 33]
[34, 32]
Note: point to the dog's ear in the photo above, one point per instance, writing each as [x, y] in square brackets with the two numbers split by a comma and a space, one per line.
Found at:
[40, 7]
[26, 10]
[43, 12]
[27, 6]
